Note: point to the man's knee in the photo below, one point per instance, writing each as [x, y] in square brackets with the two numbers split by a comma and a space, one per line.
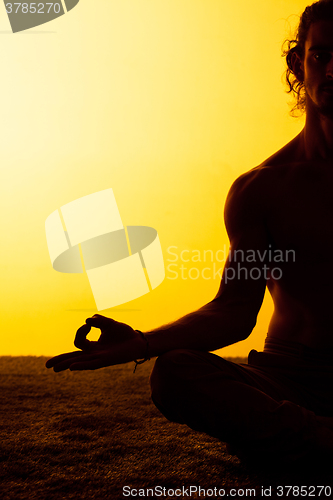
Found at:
[182, 370]
[168, 381]
[169, 368]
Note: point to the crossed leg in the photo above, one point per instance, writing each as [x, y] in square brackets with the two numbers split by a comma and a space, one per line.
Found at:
[238, 404]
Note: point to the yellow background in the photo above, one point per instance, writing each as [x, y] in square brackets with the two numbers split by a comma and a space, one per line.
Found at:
[167, 102]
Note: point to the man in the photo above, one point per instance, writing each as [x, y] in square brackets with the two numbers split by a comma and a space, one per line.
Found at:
[281, 402]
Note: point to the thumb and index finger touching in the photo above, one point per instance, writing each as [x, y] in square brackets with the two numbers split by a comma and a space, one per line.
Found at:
[96, 321]
[81, 341]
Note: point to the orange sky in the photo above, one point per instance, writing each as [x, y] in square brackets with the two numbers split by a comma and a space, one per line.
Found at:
[164, 102]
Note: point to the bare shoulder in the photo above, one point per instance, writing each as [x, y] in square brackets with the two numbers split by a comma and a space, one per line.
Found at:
[250, 184]
[253, 193]
[259, 183]
[249, 194]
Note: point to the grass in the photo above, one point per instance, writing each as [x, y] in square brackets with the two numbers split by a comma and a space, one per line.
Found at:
[86, 435]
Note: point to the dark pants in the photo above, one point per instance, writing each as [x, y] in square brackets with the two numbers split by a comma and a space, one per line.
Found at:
[270, 404]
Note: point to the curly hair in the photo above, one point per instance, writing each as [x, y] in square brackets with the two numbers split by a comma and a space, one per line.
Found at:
[318, 11]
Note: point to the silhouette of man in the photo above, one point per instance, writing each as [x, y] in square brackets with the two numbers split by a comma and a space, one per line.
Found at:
[281, 402]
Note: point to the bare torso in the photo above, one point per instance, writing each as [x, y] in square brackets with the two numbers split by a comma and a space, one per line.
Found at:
[299, 217]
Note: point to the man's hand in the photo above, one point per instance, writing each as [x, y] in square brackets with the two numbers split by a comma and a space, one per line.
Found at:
[118, 343]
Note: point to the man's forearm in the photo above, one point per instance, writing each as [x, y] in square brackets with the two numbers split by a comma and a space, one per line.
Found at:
[212, 327]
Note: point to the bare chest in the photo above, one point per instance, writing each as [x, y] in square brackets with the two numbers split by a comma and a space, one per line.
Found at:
[301, 218]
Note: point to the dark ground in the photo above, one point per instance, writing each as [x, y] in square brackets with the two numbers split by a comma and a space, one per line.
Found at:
[86, 435]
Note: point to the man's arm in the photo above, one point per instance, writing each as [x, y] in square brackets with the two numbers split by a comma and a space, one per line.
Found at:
[231, 316]
[227, 319]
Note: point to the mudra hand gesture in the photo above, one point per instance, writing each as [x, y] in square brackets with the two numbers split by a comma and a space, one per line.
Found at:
[118, 343]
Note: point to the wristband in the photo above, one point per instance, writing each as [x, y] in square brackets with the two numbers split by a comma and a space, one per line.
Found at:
[146, 358]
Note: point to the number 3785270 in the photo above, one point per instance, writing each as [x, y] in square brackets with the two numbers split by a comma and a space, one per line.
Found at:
[33, 8]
